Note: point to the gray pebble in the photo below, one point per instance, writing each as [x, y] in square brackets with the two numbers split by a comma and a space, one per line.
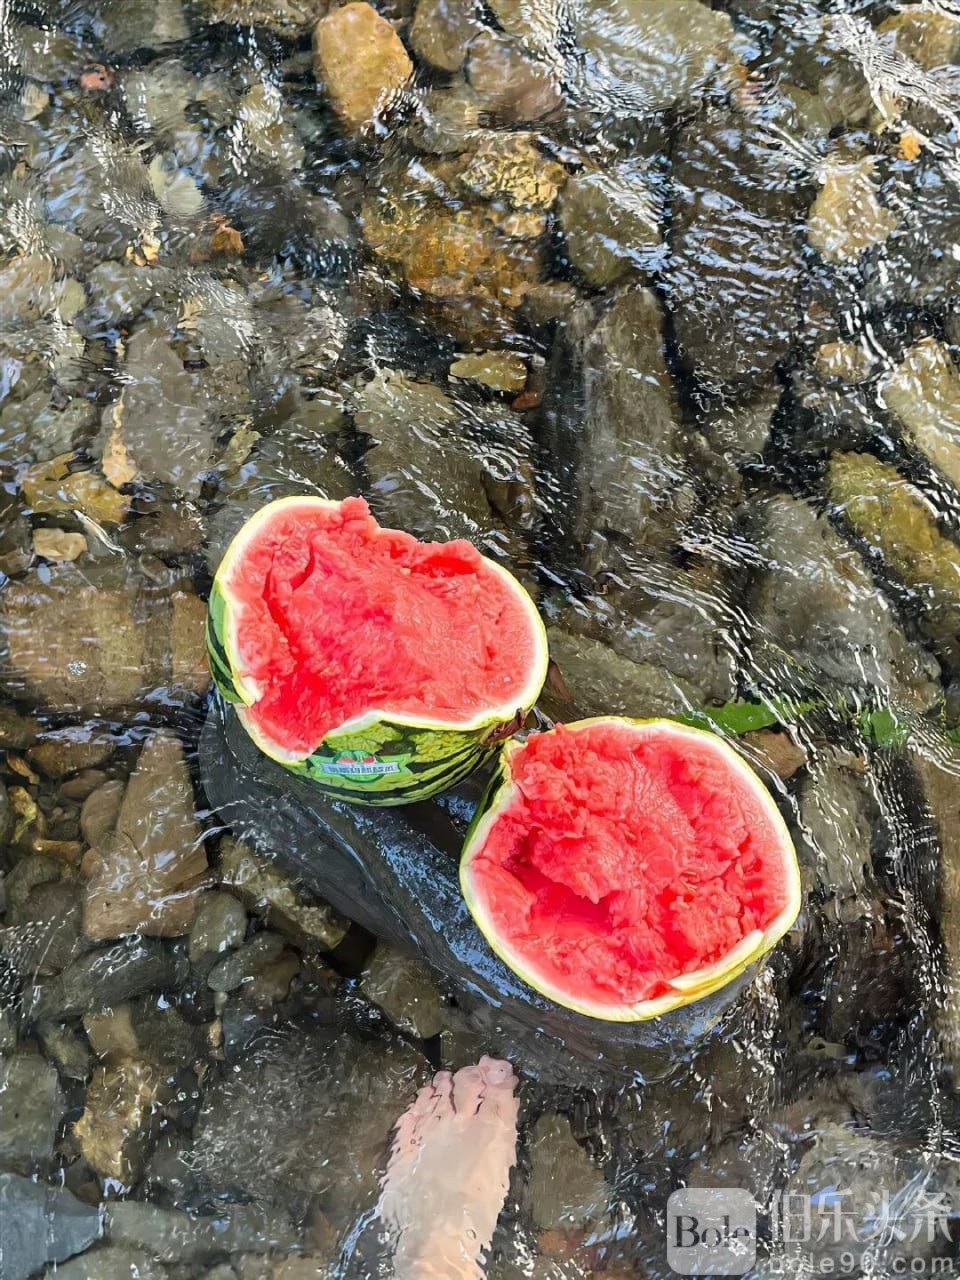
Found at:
[178, 1237]
[219, 925]
[566, 1189]
[31, 1105]
[47, 935]
[41, 1224]
[101, 979]
[110, 1262]
[29, 872]
[67, 1049]
[8, 1030]
[247, 963]
[404, 989]
[325, 1093]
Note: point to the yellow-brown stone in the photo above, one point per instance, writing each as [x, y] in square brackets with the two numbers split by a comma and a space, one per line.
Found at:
[473, 259]
[120, 1116]
[361, 63]
[511, 168]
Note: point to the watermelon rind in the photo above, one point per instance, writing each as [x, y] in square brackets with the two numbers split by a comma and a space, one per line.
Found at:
[381, 757]
[686, 988]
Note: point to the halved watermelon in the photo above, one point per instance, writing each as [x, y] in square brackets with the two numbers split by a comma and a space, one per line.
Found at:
[626, 867]
[382, 668]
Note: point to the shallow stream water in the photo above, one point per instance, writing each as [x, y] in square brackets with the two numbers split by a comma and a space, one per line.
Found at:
[656, 302]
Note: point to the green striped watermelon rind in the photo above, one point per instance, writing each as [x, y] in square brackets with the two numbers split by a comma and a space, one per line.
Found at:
[389, 763]
[687, 988]
[220, 667]
[380, 758]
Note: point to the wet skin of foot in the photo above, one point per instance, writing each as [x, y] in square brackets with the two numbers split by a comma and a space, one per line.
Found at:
[449, 1170]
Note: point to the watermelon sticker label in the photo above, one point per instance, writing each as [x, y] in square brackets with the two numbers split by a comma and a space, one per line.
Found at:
[357, 764]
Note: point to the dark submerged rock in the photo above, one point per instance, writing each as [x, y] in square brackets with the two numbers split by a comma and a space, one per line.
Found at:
[735, 264]
[611, 431]
[395, 873]
[101, 979]
[31, 1104]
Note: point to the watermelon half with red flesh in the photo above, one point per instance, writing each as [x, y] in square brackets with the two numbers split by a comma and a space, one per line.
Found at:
[382, 668]
[626, 867]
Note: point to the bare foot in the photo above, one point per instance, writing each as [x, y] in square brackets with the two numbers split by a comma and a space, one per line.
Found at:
[449, 1170]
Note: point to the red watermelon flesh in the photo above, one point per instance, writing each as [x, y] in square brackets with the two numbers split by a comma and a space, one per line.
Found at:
[334, 617]
[626, 855]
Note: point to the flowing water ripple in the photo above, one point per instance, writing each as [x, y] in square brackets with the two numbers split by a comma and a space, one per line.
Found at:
[655, 301]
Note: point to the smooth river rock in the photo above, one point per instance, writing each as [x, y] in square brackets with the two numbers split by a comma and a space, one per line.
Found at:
[143, 875]
[612, 420]
[360, 61]
[41, 1224]
[816, 604]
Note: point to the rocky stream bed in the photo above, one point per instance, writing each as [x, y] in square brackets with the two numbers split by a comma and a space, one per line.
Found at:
[657, 302]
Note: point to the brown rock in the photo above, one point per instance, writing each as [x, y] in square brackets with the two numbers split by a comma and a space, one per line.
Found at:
[475, 261]
[101, 808]
[99, 641]
[441, 31]
[120, 1117]
[924, 393]
[82, 784]
[17, 731]
[68, 850]
[518, 88]
[842, 362]
[360, 61]
[51, 488]
[499, 370]
[928, 36]
[846, 218]
[145, 875]
[64, 751]
[308, 924]
[463, 254]
[189, 668]
[777, 751]
[511, 168]
[111, 1034]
